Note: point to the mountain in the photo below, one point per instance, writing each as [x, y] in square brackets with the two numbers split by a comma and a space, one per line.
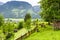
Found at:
[34, 15]
[17, 9]
[8, 9]
[36, 8]
[15, 4]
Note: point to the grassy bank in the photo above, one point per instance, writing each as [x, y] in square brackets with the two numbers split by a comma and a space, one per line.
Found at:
[45, 34]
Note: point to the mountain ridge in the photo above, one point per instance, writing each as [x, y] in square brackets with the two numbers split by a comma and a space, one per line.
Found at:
[14, 9]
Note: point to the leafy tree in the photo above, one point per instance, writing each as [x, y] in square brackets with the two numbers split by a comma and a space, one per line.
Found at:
[1, 20]
[50, 10]
[37, 25]
[20, 25]
[2, 36]
[27, 16]
[8, 29]
[27, 20]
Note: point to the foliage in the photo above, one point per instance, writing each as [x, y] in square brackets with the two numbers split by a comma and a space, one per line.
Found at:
[8, 29]
[45, 34]
[27, 21]
[1, 20]
[27, 16]
[9, 35]
[50, 10]
[2, 36]
[20, 25]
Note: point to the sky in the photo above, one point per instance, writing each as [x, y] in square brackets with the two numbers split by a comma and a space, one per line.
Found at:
[32, 2]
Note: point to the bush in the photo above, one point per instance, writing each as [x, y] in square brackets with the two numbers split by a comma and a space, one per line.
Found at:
[2, 36]
[1, 20]
[20, 25]
[8, 27]
[9, 35]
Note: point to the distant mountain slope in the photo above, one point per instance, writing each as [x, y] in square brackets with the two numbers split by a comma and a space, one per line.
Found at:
[17, 4]
[17, 9]
[36, 8]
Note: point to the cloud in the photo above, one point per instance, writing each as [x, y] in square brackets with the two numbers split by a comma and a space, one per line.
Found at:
[4, 1]
[32, 2]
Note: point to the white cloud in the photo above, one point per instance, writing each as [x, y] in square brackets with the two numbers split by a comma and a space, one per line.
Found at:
[4, 0]
[32, 2]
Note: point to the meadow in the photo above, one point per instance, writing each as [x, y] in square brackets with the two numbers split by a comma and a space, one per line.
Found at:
[45, 34]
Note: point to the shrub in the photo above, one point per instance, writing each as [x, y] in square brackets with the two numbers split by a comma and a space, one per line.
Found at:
[20, 25]
[2, 36]
[8, 30]
[1, 20]
[9, 35]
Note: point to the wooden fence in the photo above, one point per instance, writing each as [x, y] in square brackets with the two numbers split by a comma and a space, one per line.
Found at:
[27, 34]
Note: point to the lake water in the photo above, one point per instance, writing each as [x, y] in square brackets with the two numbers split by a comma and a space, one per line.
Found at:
[16, 20]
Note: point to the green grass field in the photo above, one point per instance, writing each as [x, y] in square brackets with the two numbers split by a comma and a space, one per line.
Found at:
[45, 34]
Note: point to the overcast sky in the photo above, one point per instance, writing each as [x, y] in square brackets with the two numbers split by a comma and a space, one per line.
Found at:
[32, 2]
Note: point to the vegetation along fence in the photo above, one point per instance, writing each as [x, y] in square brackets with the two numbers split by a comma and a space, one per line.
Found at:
[27, 34]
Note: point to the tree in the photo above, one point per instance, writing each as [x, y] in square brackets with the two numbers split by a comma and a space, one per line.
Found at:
[37, 25]
[20, 25]
[1, 20]
[8, 29]
[2, 36]
[50, 10]
[27, 20]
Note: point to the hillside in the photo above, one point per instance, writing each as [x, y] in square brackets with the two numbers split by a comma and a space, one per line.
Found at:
[18, 9]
